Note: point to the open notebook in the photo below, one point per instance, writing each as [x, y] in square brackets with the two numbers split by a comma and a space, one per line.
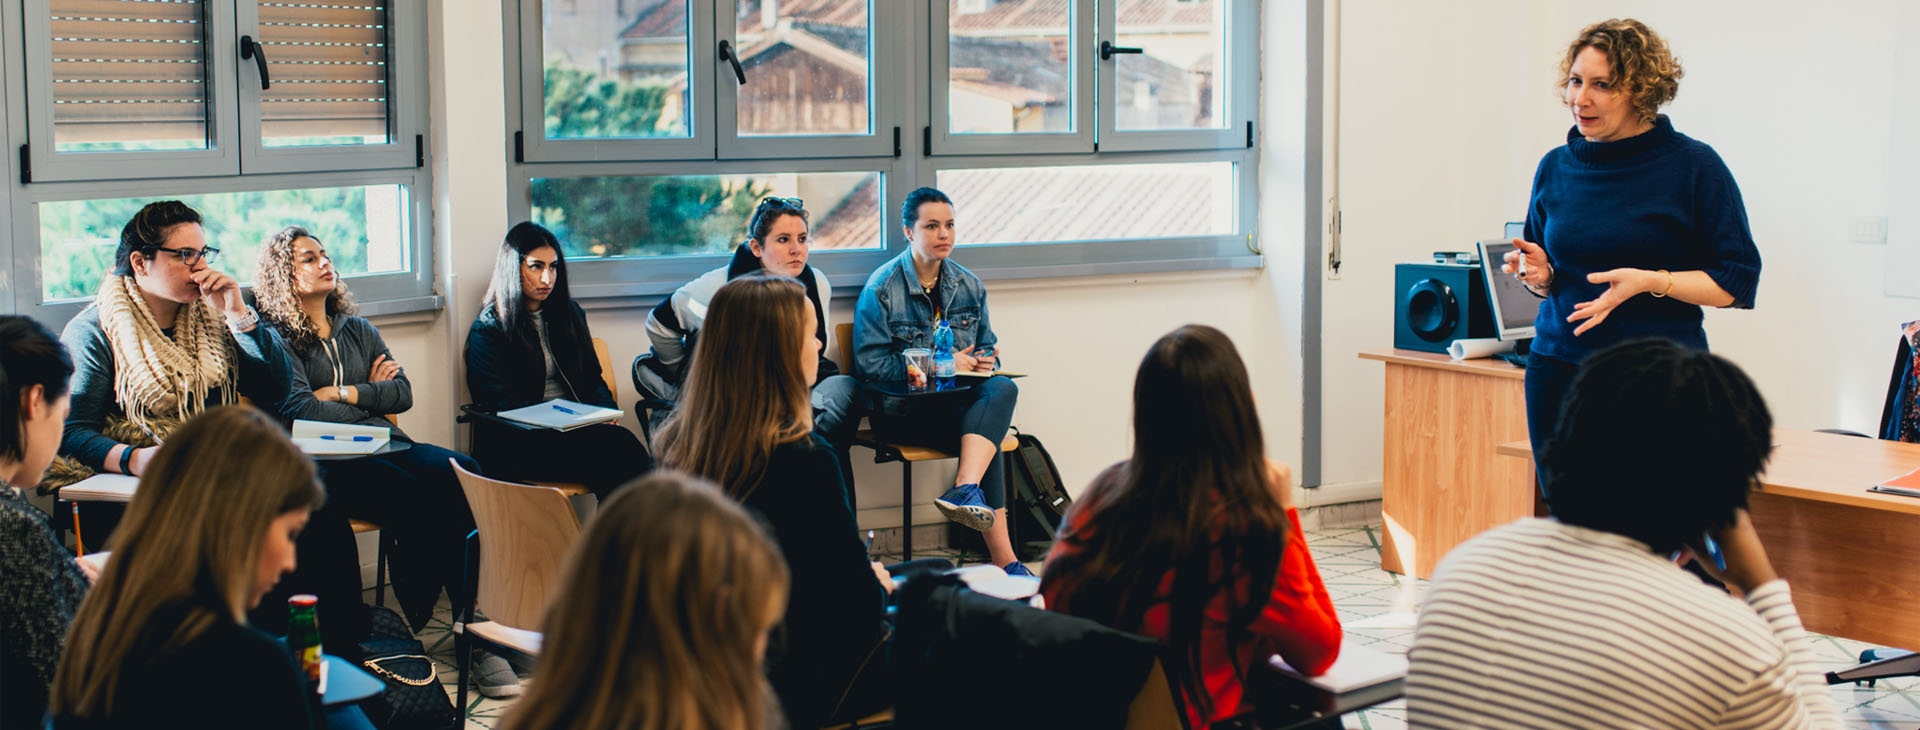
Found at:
[561, 414]
[320, 437]
[1358, 667]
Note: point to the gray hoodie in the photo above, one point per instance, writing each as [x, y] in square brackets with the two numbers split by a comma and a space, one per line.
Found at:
[346, 358]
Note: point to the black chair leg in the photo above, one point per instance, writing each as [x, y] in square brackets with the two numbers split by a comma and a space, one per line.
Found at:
[380, 570]
[906, 511]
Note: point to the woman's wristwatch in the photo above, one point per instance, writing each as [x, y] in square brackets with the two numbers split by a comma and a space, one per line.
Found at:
[1544, 289]
[126, 460]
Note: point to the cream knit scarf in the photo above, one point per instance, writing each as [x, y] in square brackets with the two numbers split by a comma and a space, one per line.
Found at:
[161, 377]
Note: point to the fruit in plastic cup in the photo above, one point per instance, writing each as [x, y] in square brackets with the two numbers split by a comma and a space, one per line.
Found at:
[919, 363]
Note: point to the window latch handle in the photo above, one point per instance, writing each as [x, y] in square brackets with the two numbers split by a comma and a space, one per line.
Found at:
[727, 54]
[1108, 49]
[250, 49]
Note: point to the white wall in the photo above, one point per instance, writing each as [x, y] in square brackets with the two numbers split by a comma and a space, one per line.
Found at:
[1446, 109]
[1080, 339]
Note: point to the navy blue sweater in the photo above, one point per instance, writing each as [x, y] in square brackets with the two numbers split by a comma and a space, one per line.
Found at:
[1657, 200]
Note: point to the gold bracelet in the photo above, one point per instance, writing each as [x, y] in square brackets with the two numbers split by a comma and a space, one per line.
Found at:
[1669, 285]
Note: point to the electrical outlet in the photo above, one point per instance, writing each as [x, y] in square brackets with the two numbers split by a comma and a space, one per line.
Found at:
[1868, 229]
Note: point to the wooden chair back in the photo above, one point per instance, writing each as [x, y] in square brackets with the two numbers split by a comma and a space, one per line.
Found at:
[1153, 707]
[525, 534]
[606, 368]
[843, 336]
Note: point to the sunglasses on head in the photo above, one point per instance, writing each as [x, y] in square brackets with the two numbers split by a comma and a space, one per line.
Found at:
[789, 202]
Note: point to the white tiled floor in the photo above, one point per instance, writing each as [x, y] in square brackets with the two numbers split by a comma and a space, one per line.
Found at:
[1376, 608]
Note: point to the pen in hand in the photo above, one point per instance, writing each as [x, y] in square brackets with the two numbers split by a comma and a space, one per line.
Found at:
[869, 544]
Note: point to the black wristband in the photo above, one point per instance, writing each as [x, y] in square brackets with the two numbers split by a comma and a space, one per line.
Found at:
[126, 460]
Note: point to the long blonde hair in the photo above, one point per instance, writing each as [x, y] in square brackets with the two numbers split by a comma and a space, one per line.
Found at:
[666, 597]
[745, 392]
[190, 542]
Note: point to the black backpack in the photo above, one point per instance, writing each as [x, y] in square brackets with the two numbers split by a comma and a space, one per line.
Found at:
[1036, 499]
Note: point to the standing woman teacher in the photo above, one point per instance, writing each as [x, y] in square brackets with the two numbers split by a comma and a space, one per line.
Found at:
[1632, 226]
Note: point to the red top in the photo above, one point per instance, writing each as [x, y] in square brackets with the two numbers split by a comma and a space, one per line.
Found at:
[1298, 622]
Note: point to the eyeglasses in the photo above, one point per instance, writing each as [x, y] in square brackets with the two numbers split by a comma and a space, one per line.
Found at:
[189, 256]
[789, 202]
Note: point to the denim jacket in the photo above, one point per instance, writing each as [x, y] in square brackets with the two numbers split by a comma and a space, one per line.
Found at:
[894, 314]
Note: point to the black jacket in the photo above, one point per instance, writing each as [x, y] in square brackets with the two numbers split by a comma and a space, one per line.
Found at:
[505, 370]
[837, 613]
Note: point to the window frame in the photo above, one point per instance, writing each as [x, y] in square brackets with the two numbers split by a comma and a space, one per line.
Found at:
[222, 156]
[406, 70]
[527, 41]
[1242, 59]
[884, 71]
[377, 294]
[643, 277]
[142, 174]
[641, 281]
[1082, 53]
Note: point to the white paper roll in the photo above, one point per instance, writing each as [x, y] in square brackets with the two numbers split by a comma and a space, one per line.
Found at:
[1477, 348]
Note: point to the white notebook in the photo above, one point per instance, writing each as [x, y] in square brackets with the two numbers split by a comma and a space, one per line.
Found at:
[561, 414]
[321, 437]
[1358, 667]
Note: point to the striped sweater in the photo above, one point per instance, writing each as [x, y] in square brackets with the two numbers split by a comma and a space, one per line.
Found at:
[1541, 624]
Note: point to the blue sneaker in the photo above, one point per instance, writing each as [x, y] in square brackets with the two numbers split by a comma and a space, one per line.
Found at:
[1020, 569]
[965, 504]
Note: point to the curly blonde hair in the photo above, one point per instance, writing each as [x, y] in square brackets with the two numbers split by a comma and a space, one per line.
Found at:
[1643, 67]
[274, 294]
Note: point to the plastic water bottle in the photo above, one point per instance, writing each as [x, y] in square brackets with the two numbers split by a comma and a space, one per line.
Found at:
[942, 355]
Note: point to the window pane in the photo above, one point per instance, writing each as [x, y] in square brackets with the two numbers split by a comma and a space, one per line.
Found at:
[1172, 83]
[807, 64]
[364, 229]
[1009, 67]
[616, 68]
[1091, 202]
[328, 69]
[701, 214]
[129, 75]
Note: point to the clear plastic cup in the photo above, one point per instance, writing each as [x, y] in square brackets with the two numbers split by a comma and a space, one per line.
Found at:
[919, 367]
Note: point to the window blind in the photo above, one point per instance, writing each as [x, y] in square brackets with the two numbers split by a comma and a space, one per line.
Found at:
[129, 71]
[329, 68]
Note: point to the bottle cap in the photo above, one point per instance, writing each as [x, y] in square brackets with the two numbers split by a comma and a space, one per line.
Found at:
[304, 599]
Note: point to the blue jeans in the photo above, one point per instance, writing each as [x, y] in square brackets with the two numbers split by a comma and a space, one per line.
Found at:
[833, 409]
[939, 425]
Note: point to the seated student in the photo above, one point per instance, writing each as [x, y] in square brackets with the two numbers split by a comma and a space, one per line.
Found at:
[776, 245]
[1585, 620]
[530, 344]
[163, 639]
[744, 422]
[167, 337]
[1194, 540]
[343, 373]
[662, 620]
[898, 309]
[40, 584]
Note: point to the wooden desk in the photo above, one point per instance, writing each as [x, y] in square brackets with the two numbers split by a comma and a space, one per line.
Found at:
[1441, 482]
[1852, 556]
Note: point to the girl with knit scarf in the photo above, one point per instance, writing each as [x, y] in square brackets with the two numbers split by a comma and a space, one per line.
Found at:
[167, 337]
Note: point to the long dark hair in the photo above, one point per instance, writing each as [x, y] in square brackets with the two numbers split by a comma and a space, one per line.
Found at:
[29, 356]
[505, 297]
[1196, 499]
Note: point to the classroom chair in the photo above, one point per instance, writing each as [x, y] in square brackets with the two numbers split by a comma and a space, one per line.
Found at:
[886, 452]
[1877, 664]
[516, 557]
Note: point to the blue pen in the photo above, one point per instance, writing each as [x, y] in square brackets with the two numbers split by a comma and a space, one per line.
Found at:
[331, 437]
[566, 410]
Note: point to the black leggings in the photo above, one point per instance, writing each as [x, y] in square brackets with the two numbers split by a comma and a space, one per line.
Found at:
[413, 496]
[603, 456]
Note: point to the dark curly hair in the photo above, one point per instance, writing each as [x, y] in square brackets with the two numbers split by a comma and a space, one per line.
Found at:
[273, 291]
[1656, 442]
[1643, 67]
